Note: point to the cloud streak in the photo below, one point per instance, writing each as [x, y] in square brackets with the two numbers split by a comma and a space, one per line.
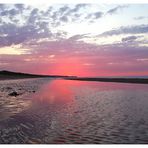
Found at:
[130, 38]
[116, 9]
[137, 29]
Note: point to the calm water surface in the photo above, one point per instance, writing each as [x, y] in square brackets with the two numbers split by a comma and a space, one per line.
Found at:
[65, 111]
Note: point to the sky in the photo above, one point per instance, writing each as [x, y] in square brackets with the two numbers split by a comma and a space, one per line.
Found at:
[83, 39]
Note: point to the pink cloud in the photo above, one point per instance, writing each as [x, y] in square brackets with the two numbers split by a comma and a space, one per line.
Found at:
[67, 57]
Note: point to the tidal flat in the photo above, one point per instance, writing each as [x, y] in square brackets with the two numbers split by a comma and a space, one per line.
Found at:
[57, 111]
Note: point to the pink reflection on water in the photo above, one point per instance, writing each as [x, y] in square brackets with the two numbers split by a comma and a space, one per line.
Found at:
[60, 91]
[56, 91]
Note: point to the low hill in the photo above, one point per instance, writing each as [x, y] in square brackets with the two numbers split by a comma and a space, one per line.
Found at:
[17, 75]
[4, 75]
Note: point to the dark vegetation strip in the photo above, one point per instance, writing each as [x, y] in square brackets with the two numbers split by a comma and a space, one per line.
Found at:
[121, 80]
[4, 75]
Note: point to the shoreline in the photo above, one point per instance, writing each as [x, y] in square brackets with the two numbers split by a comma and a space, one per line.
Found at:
[116, 80]
[7, 75]
[17, 78]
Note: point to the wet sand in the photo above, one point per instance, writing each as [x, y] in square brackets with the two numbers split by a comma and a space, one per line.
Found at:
[62, 111]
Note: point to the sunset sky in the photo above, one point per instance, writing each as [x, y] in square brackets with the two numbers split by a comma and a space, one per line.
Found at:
[75, 39]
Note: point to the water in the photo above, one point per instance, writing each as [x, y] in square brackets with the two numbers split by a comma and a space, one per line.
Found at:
[66, 111]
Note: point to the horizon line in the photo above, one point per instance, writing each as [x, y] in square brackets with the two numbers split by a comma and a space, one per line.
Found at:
[115, 76]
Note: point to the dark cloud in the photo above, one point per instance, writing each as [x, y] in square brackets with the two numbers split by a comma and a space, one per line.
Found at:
[12, 34]
[63, 9]
[11, 12]
[35, 26]
[74, 13]
[98, 14]
[77, 37]
[6, 10]
[20, 6]
[48, 11]
[116, 9]
[77, 8]
[69, 14]
[129, 38]
[141, 17]
[4, 13]
[95, 15]
[2, 7]
[33, 16]
[64, 19]
[127, 30]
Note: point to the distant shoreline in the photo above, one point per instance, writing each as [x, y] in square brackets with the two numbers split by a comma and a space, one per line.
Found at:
[13, 76]
[8, 75]
[119, 80]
